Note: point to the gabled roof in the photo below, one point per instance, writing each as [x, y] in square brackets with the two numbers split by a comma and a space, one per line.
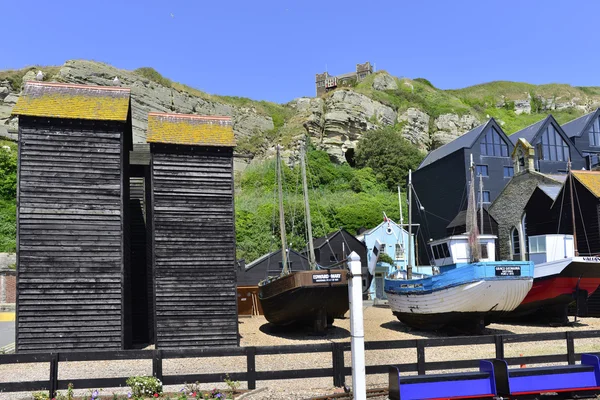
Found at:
[464, 141]
[529, 132]
[322, 241]
[369, 231]
[590, 180]
[551, 191]
[59, 100]
[580, 125]
[190, 130]
[274, 253]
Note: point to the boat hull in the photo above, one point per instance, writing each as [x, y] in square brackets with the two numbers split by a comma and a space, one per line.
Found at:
[462, 298]
[305, 296]
[556, 284]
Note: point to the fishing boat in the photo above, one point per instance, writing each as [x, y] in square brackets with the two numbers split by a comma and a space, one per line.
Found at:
[562, 276]
[469, 286]
[313, 297]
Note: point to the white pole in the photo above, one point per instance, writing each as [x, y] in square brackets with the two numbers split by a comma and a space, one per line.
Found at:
[357, 332]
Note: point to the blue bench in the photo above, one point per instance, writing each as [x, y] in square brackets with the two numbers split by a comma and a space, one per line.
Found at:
[581, 379]
[465, 385]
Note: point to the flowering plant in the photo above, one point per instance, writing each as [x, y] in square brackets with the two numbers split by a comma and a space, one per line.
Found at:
[145, 386]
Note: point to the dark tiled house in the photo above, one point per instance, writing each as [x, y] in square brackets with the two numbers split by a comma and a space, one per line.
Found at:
[441, 180]
[552, 147]
[584, 132]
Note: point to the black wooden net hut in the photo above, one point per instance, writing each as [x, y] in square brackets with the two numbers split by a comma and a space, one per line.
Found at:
[72, 219]
[193, 236]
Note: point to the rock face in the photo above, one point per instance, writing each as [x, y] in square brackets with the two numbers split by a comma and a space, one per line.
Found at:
[342, 118]
[416, 127]
[146, 96]
[450, 126]
[384, 81]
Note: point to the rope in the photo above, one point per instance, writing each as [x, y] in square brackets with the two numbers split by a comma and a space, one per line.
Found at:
[582, 222]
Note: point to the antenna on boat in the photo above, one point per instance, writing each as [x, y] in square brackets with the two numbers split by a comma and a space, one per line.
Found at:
[285, 269]
[311, 247]
[401, 220]
[481, 203]
[409, 264]
[576, 251]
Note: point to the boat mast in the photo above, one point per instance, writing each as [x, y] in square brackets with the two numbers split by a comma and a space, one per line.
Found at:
[471, 218]
[576, 252]
[311, 249]
[409, 264]
[285, 269]
[401, 220]
[481, 204]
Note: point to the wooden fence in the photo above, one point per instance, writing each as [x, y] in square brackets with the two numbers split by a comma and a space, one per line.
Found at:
[338, 370]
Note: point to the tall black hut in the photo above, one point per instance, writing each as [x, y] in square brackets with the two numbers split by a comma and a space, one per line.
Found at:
[193, 234]
[72, 218]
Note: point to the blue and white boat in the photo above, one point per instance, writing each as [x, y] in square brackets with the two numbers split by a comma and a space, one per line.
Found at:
[468, 286]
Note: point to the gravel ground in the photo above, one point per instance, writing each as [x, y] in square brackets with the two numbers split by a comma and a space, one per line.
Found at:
[379, 324]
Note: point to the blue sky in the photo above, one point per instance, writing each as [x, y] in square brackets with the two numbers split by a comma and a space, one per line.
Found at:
[271, 50]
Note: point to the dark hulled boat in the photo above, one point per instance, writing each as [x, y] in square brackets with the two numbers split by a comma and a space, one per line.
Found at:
[312, 297]
[305, 297]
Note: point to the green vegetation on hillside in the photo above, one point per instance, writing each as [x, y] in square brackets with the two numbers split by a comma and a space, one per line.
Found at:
[389, 155]
[340, 197]
[15, 76]
[8, 193]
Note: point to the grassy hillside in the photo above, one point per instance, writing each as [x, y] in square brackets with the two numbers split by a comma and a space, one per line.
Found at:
[8, 203]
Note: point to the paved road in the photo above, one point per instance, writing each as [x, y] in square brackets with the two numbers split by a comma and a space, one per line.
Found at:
[7, 333]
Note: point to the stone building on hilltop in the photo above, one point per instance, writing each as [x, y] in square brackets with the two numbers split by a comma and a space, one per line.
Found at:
[325, 82]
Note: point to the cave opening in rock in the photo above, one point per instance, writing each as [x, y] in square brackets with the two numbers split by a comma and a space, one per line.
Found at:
[350, 157]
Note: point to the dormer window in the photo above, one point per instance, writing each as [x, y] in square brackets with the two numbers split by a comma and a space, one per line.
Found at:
[594, 133]
[552, 147]
[493, 145]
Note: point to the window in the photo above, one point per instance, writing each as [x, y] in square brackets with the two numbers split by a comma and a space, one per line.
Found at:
[515, 244]
[493, 145]
[317, 255]
[552, 147]
[594, 133]
[399, 252]
[484, 250]
[481, 170]
[445, 250]
[440, 251]
[509, 172]
[537, 244]
[486, 196]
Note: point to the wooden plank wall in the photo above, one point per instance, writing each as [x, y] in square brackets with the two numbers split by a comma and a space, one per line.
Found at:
[70, 243]
[194, 246]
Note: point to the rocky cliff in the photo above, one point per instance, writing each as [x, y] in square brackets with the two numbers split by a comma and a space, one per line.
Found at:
[426, 116]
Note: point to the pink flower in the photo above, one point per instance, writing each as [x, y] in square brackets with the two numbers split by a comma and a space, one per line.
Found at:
[155, 394]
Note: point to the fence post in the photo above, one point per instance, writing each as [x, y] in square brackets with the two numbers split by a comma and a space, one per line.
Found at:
[337, 359]
[420, 357]
[157, 371]
[53, 374]
[251, 367]
[570, 348]
[499, 347]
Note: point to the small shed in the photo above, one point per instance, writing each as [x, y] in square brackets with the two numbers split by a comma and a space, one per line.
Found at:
[72, 217]
[250, 275]
[192, 233]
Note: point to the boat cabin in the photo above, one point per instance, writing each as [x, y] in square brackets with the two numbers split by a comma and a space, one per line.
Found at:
[455, 249]
[546, 248]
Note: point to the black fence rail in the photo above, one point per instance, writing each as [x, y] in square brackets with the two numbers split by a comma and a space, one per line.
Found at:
[338, 370]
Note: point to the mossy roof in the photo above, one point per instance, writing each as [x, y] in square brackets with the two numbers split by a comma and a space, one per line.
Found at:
[59, 100]
[190, 130]
[589, 179]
